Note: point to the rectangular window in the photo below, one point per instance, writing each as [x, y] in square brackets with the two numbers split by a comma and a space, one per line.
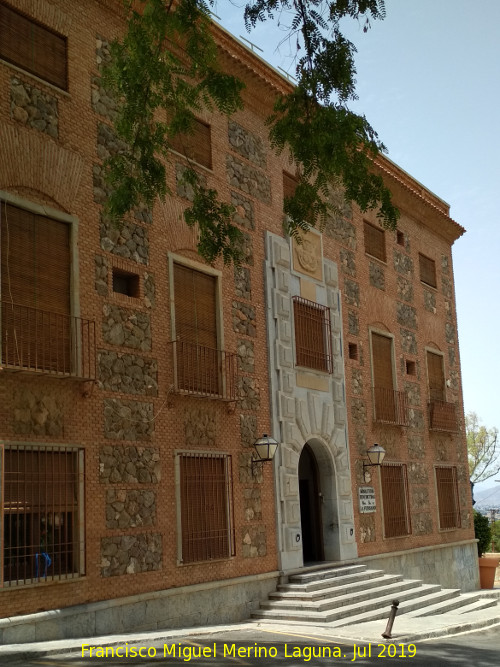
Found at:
[395, 499]
[42, 514]
[126, 283]
[427, 270]
[447, 493]
[35, 285]
[435, 374]
[442, 414]
[195, 144]
[312, 335]
[374, 241]
[206, 507]
[202, 368]
[33, 47]
[289, 185]
[390, 405]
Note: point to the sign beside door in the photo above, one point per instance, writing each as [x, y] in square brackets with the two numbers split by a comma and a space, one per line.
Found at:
[367, 502]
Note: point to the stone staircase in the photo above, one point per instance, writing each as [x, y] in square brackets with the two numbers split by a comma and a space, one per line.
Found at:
[344, 595]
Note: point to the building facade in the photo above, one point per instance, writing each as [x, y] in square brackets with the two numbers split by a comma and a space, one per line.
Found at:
[135, 378]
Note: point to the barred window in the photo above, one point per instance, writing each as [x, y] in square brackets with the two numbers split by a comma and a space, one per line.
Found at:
[394, 483]
[206, 507]
[427, 270]
[33, 47]
[42, 514]
[447, 493]
[195, 144]
[374, 241]
[312, 335]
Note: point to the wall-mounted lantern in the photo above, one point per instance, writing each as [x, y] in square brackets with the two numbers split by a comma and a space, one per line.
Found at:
[265, 449]
[376, 454]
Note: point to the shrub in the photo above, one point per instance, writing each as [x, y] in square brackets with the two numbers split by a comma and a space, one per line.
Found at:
[482, 531]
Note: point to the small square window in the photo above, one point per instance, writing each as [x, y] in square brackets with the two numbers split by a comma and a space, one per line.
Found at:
[411, 367]
[400, 238]
[353, 351]
[126, 283]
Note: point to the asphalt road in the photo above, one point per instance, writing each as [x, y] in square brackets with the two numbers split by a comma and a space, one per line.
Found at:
[247, 648]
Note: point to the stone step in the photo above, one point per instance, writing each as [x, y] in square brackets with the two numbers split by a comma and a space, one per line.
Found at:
[341, 586]
[341, 598]
[372, 605]
[458, 605]
[406, 605]
[328, 584]
[329, 572]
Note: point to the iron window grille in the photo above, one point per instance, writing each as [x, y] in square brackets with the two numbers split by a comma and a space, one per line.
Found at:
[447, 493]
[206, 507]
[312, 335]
[394, 483]
[42, 514]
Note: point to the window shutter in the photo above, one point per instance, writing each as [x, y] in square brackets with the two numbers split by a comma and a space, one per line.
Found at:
[206, 507]
[374, 241]
[395, 499]
[383, 381]
[447, 490]
[435, 373]
[195, 145]
[198, 359]
[382, 361]
[427, 270]
[312, 334]
[289, 185]
[36, 268]
[33, 47]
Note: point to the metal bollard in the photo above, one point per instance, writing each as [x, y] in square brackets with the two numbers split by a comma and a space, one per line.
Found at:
[390, 620]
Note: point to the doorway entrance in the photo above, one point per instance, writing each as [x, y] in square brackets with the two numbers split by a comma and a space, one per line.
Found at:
[310, 507]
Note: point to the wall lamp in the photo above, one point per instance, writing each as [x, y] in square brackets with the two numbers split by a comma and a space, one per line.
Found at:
[265, 449]
[376, 454]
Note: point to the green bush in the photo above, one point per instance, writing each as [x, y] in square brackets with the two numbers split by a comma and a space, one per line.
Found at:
[495, 535]
[482, 531]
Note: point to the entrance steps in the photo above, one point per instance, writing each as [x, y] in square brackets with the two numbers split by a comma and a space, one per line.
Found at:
[344, 595]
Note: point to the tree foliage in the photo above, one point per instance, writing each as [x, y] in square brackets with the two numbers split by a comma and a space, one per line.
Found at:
[482, 532]
[165, 70]
[483, 449]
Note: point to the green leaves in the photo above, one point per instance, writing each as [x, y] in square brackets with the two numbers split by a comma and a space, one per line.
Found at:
[165, 71]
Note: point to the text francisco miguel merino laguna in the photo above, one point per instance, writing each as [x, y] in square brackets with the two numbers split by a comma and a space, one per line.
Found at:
[187, 652]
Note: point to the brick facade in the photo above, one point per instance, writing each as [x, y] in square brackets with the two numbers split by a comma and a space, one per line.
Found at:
[131, 421]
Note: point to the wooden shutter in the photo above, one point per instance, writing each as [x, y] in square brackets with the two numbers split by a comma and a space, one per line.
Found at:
[427, 270]
[374, 241]
[198, 359]
[33, 47]
[196, 145]
[395, 499]
[206, 521]
[447, 491]
[435, 374]
[289, 185]
[36, 305]
[383, 381]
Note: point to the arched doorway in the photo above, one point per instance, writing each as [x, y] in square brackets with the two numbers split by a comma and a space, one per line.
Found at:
[310, 507]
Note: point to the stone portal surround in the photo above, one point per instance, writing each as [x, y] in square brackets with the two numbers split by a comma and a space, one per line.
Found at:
[305, 415]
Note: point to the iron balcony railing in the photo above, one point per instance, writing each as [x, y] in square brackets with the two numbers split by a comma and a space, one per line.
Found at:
[41, 341]
[443, 416]
[391, 407]
[204, 371]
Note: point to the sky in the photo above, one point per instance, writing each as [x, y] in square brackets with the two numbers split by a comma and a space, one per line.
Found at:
[428, 81]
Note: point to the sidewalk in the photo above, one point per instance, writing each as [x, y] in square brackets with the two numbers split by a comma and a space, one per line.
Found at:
[406, 630]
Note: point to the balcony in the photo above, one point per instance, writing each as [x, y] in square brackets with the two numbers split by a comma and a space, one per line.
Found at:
[204, 372]
[40, 341]
[390, 406]
[443, 416]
